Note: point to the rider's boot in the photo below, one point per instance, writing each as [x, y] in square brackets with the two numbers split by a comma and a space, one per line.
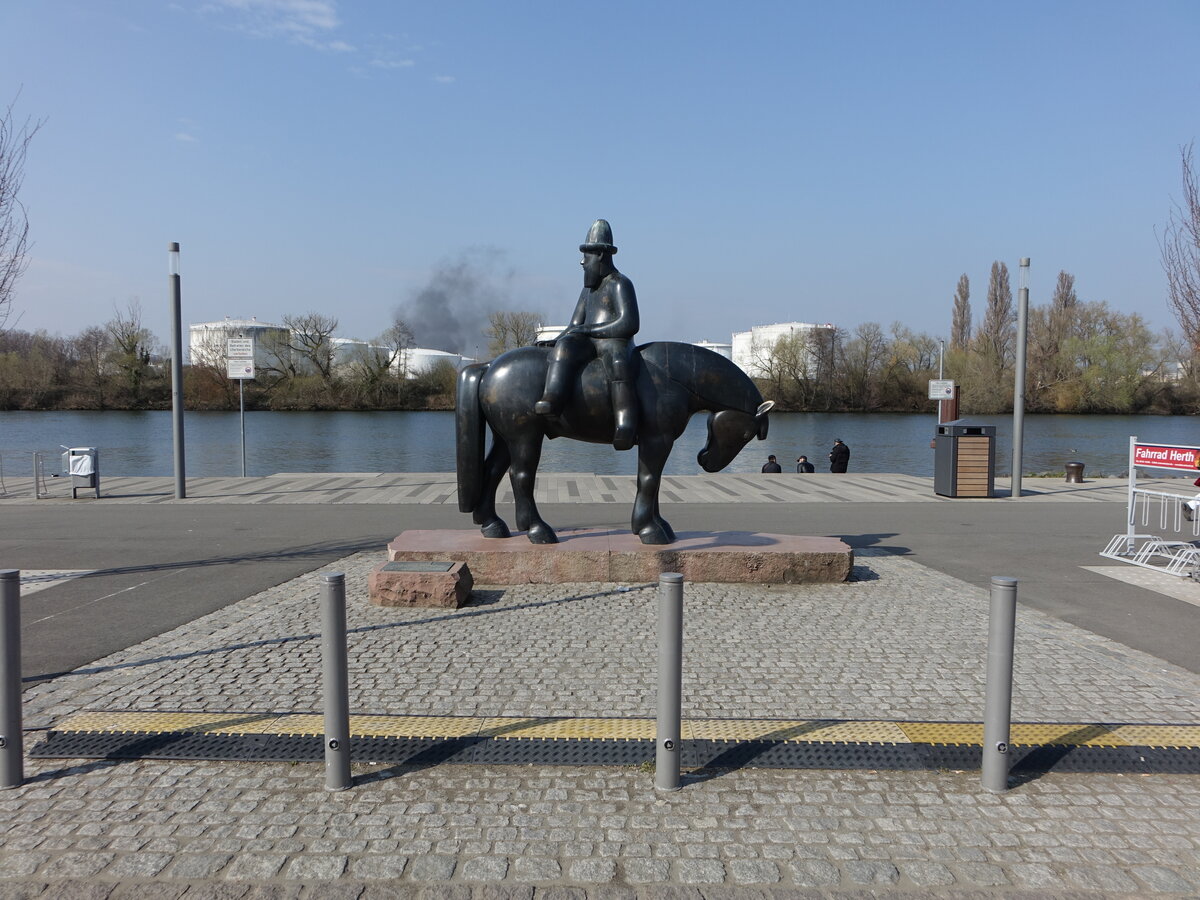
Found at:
[625, 412]
[554, 396]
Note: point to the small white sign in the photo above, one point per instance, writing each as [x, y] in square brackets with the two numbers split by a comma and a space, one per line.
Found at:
[240, 348]
[240, 368]
[941, 389]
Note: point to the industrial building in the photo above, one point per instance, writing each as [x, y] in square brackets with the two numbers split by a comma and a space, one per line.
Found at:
[752, 349]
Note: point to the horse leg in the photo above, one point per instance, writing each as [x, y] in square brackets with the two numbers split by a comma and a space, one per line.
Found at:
[526, 453]
[647, 524]
[494, 467]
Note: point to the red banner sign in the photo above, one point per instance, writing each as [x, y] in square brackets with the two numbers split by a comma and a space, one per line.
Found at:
[1164, 456]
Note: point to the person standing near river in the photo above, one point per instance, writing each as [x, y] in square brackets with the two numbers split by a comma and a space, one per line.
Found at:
[839, 456]
[803, 465]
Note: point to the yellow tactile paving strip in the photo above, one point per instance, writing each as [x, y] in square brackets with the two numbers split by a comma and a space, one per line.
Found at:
[798, 731]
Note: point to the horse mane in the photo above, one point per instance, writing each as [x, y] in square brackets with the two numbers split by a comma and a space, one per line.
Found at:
[731, 389]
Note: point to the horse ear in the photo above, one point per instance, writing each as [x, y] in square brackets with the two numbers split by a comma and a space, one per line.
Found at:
[760, 417]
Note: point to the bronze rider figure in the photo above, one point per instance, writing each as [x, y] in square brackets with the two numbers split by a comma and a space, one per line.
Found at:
[604, 323]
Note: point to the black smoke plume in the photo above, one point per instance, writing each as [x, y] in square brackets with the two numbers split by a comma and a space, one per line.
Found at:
[451, 311]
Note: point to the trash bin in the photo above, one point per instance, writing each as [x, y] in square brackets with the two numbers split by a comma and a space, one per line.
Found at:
[1074, 472]
[83, 465]
[964, 459]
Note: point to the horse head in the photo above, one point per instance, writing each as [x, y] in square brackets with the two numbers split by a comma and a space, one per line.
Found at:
[728, 432]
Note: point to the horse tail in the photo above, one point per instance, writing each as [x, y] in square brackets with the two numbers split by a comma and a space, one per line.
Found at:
[469, 434]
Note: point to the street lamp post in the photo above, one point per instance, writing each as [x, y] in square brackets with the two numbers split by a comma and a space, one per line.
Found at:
[1019, 377]
[176, 372]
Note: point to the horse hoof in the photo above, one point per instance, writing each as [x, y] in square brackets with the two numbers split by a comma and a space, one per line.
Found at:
[496, 529]
[542, 534]
[654, 535]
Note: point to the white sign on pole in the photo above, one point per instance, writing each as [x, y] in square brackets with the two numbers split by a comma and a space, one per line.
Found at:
[941, 389]
[240, 348]
[240, 368]
[239, 358]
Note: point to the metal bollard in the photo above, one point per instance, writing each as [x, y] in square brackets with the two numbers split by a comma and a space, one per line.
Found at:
[668, 731]
[997, 704]
[12, 744]
[335, 682]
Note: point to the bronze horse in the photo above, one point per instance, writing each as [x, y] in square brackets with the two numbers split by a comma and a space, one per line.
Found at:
[673, 381]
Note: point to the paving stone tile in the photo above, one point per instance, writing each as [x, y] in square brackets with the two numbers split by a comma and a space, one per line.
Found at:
[815, 873]
[378, 866]
[536, 869]
[484, 868]
[138, 865]
[592, 871]
[255, 867]
[700, 871]
[432, 868]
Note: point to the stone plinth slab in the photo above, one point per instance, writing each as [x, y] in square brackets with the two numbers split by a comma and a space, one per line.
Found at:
[439, 583]
[594, 554]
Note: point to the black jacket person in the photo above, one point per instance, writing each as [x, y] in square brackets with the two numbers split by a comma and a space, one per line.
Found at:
[839, 456]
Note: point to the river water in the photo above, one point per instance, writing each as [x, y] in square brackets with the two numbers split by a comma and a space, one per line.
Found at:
[139, 443]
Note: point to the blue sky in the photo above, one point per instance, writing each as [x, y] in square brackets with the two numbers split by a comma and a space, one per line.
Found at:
[759, 163]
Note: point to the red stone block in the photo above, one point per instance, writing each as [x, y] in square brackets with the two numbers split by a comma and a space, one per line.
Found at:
[441, 583]
[595, 554]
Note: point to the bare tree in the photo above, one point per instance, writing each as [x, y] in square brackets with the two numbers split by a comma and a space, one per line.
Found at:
[131, 347]
[14, 223]
[508, 329]
[311, 343]
[91, 348]
[376, 370]
[960, 324]
[1180, 246]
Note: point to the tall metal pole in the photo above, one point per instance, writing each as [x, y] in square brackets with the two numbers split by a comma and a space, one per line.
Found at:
[669, 728]
[941, 374]
[1019, 379]
[12, 743]
[335, 682]
[176, 372]
[242, 412]
[997, 703]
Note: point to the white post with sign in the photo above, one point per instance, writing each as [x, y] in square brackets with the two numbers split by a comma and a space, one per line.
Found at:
[239, 365]
[940, 389]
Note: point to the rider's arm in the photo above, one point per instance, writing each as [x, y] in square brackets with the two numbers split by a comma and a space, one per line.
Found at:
[579, 317]
[627, 321]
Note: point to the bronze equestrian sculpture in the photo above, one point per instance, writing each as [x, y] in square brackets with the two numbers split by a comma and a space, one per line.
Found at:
[668, 382]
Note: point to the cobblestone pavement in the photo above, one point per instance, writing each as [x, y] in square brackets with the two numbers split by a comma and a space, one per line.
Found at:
[898, 641]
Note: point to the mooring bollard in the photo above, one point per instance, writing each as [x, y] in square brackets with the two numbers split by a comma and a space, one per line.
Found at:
[668, 731]
[997, 704]
[335, 682]
[12, 743]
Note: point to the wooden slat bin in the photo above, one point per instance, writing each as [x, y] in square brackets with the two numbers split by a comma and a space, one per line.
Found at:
[964, 460]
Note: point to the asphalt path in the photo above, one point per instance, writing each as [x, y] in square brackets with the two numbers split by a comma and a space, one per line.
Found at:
[160, 566]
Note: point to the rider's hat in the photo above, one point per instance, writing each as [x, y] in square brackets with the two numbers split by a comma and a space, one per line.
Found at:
[599, 239]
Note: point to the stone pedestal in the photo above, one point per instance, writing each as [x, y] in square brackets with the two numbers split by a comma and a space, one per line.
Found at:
[595, 554]
[434, 583]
